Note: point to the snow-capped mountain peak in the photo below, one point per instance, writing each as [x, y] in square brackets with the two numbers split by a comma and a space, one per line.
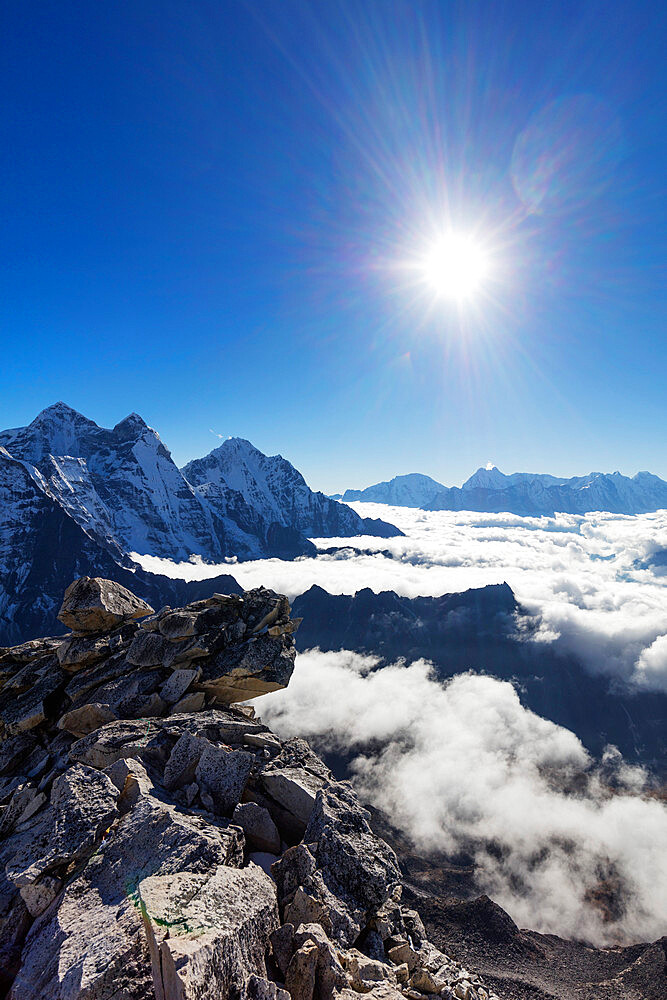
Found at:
[122, 487]
[411, 490]
[487, 479]
[276, 490]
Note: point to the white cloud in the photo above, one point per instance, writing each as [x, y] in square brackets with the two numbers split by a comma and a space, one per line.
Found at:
[462, 764]
[652, 664]
[580, 574]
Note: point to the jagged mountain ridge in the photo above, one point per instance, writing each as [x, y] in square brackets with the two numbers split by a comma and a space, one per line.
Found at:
[122, 486]
[278, 491]
[77, 500]
[525, 493]
[413, 490]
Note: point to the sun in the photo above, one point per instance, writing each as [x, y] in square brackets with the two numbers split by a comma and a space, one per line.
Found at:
[455, 267]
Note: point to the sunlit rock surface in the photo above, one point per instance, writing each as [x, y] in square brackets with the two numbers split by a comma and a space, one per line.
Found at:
[148, 852]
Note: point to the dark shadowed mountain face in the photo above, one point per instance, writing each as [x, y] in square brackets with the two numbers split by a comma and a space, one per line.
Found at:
[483, 630]
[525, 493]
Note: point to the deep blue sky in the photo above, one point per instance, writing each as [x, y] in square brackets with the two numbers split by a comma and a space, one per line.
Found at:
[207, 208]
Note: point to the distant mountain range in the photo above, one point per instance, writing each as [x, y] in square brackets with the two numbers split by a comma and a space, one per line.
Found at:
[526, 493]
[78, 499]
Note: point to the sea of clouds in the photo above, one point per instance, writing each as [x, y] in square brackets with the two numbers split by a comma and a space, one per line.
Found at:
[460, 765]
[587, 577]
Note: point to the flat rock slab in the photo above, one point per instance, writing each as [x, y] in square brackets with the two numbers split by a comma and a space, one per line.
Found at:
[263, 664]
[86, 719]
[92, 943]
[79, 651]
[175, 687]
[92, 604]
[194, 701]
[29, 710]
[31, 650]
[294, 789]
[207, 934]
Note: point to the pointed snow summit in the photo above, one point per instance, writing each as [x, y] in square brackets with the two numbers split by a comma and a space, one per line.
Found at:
[488, 479]
[278, 492]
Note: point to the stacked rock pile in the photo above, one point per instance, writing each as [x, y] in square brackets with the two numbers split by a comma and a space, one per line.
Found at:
[157, 842]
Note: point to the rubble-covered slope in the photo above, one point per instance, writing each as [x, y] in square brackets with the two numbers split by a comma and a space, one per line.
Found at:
[156, 841]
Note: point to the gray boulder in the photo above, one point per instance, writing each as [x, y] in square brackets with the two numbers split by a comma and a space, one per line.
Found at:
[260, 831]
[357, 866]
[83, 806]
[92, 604]
[222, 774]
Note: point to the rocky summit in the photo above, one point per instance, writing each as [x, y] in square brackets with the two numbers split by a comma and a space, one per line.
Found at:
[158, 841]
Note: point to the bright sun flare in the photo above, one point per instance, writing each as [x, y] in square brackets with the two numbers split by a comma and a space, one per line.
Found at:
[455, 267]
